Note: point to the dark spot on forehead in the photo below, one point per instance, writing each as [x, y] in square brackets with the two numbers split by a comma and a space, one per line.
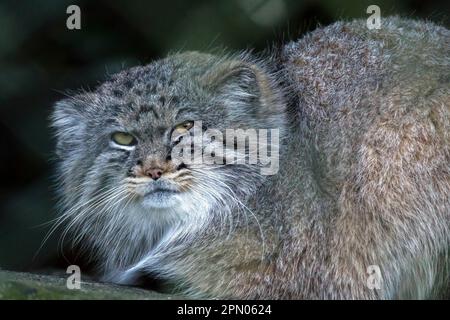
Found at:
[115, 109]
[162, 100]
[144, 109]
[117, 93]
[174, 99]
[161, 130]
[128, 84]
[110, 121]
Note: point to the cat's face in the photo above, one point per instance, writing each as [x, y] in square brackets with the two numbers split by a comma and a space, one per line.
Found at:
[119, 144]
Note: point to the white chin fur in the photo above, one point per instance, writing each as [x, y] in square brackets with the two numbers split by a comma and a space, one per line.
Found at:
[161, 200]
[160, 220]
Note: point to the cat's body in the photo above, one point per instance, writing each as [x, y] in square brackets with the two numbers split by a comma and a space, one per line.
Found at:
[363, 181]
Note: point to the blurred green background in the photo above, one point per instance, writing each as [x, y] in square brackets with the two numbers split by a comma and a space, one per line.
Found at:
[40, 59]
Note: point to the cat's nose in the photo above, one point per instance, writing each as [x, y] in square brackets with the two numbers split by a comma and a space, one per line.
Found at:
[154, 173]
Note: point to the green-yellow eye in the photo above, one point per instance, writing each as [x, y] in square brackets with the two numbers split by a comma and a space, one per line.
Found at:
[123, 138]
[184, 127]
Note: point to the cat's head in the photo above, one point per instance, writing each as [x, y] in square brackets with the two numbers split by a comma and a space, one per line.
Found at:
[117, 144]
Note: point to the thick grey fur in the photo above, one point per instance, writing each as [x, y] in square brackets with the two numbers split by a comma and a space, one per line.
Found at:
[364, 174]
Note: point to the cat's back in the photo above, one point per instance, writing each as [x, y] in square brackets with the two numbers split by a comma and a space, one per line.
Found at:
[338, 68]
[374, 105]
[368, 95]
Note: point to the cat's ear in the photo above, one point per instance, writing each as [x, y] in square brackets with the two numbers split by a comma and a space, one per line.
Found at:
[69, 124]
[244, 85]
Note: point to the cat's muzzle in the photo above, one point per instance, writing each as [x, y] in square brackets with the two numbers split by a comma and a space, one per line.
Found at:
[160, 194]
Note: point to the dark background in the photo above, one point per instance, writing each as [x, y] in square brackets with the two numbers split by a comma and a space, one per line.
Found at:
[40, 59]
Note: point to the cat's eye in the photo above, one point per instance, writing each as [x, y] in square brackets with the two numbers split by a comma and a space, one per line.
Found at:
[123, 139]
[184, 127]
